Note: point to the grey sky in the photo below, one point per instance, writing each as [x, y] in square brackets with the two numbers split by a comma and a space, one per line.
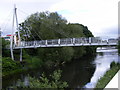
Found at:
[101, 16]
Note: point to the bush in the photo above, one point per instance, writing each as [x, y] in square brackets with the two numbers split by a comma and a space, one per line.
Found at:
[33, 62]
[9, 65]
[54, 56]
[44, 82]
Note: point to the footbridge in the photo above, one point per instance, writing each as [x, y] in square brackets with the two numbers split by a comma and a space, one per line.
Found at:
[16, 41]
[82, 41]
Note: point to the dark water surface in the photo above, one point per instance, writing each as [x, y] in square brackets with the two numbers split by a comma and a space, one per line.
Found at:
[80, 73]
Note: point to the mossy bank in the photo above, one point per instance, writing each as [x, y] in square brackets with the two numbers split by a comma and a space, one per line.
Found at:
[108, 76]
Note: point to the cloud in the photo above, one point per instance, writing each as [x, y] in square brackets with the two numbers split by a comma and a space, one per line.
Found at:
[29, 1]
[96, 14]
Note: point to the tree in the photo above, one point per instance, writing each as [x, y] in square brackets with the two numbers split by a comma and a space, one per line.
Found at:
[46, 25]
[43, 25]
[86, 32]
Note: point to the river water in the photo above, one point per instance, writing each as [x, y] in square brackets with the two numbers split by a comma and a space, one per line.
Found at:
[80, 73]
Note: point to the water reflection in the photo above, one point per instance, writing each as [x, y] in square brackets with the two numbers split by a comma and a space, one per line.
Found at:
[102, 63]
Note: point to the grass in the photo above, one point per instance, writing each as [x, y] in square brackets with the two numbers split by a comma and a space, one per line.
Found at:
[108, 76]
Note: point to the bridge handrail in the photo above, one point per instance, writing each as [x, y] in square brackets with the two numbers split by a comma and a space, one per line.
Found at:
[67, 42]
[81, 40]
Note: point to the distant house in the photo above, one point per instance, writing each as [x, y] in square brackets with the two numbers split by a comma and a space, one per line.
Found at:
[7, 37]
[15, 39]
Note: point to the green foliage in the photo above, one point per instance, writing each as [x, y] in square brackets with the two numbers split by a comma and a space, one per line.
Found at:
[55, 56]
[46, 25]
[74, 30]
[0, 33]
[0, 66]
[67, 53]
[108, 76]
[79, 52]
[91, 50]
[86, 32]
[5, 52]
[43, 25]
[33, 62]
[9, 65]
[44, 82]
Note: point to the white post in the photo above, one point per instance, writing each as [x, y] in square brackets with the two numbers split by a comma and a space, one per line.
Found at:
[52, 42]
[66, 41]
[11, 47]
[59, 41]
[73, 41]
[34, 43]
[89, 40]
[15, 12]
[14, 40]
[46, 42]
[11, 38]
[21, 55]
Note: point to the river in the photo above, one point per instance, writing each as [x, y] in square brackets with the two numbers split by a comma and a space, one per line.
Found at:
[80, 73]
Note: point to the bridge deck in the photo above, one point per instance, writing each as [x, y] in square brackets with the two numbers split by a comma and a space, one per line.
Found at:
[65, 45]
[92, 41]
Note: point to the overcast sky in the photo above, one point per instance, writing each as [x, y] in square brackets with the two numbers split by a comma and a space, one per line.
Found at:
[101, 16]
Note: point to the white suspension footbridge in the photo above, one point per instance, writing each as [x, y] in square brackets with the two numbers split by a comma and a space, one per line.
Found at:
[81, 41]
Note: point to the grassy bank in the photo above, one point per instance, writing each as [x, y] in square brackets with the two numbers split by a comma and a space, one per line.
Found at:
[108, 76]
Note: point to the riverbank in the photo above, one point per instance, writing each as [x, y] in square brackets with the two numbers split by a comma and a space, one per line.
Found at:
[76, 73]
[67, 73]
[108, 76]
[10, 67]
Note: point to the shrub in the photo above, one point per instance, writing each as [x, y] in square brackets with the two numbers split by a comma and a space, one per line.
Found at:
[44, 82]
[8, 64]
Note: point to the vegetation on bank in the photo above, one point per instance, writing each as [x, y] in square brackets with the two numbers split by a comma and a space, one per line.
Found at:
[8, 65]
[43, 82]
[108, 76]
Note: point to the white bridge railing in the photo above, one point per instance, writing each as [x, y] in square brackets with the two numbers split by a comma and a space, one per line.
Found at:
[91, 41]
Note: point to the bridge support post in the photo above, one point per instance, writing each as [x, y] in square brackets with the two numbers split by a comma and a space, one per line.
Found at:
[11, 47]
[89, 40]
[21, 55]
[73, 41]
[46, 42]
[59, 41]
